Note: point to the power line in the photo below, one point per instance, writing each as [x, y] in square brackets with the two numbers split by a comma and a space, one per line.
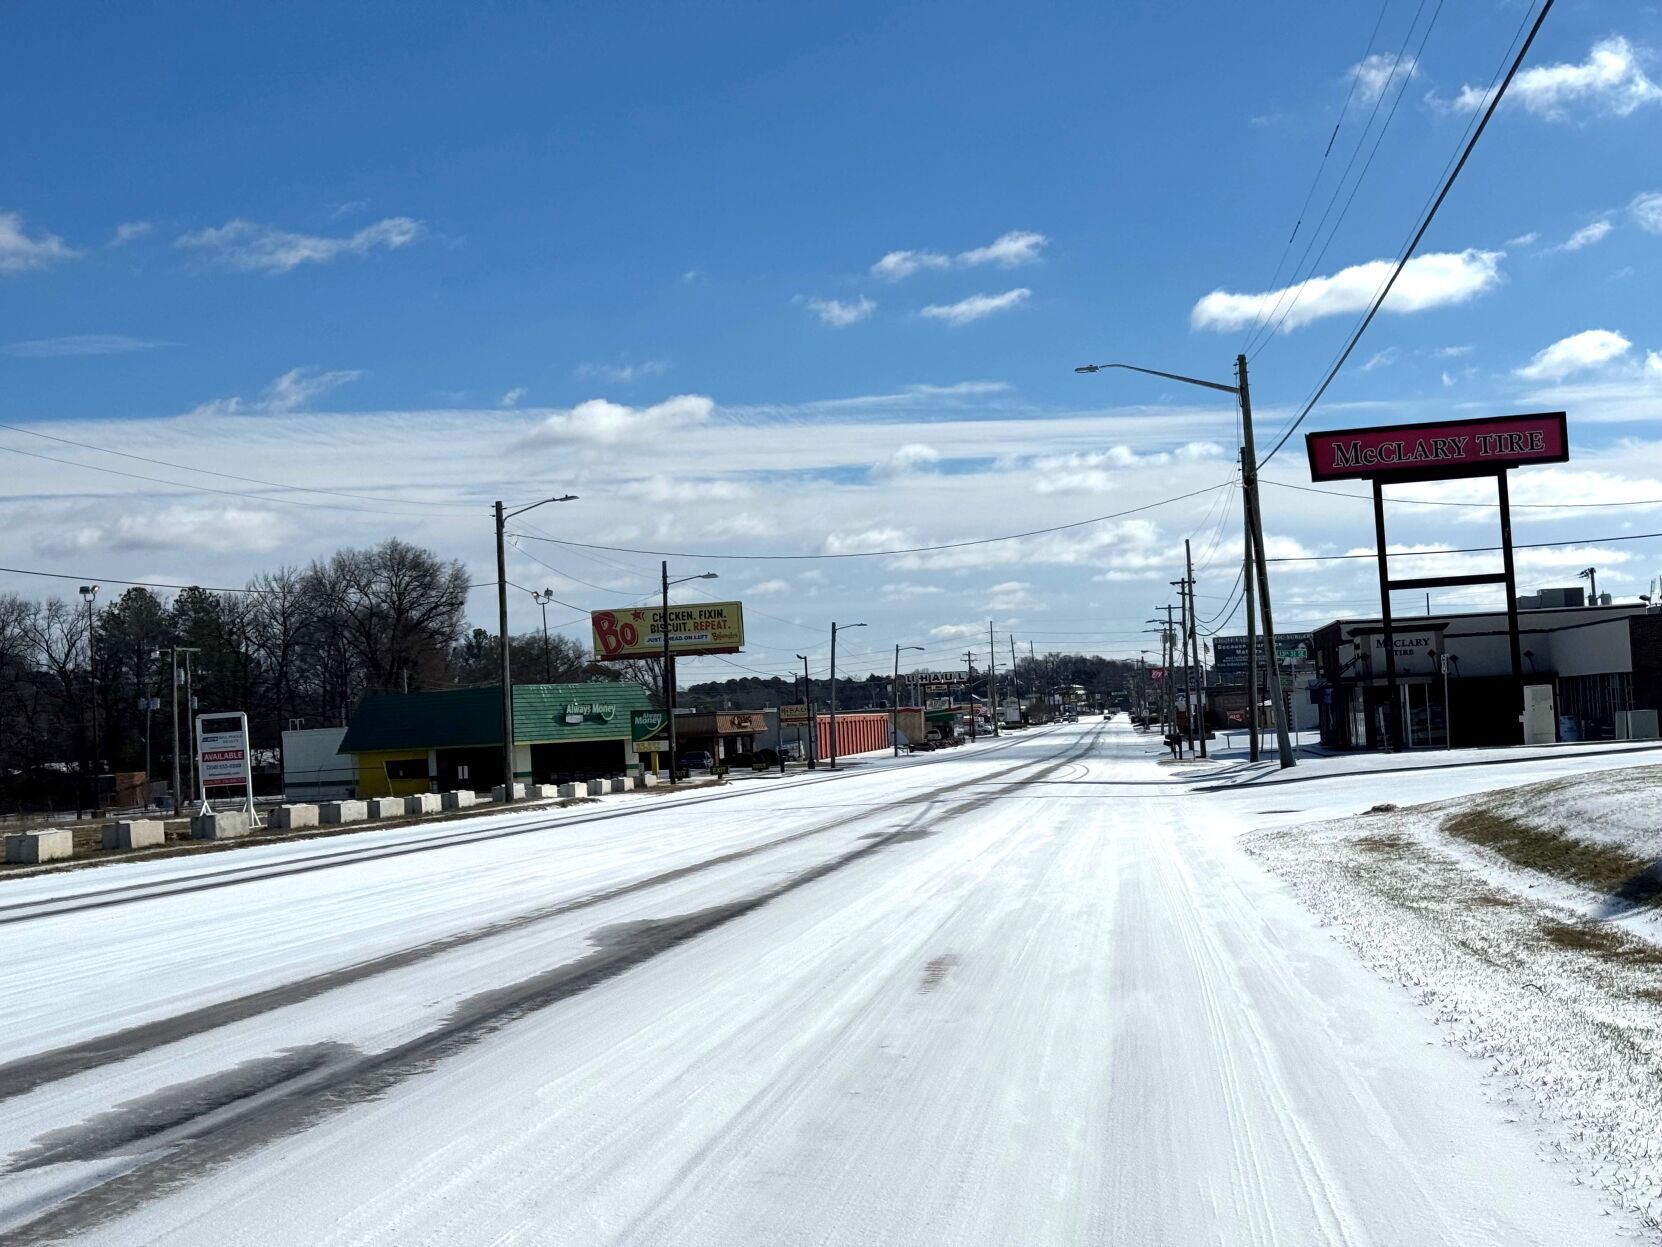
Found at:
[1296, 288]
[1419, 234]
[230, 476]
[209, 489]
[872, 554]
[1517, 545]
[141, 584]
[1437, 502]
[1287, 247]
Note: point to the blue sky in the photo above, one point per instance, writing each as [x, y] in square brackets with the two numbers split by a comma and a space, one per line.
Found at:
[438, 252]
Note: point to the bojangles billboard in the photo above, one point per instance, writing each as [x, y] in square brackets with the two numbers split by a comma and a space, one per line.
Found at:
[1446, 448]
[697, 628]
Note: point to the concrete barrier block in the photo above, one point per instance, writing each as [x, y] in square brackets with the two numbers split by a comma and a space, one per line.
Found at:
[33, 847]
[385, 807]
[622, 783]
[543, 792]
[289, 817]
[422, 803]
[343, 811]
[134, 833]
[458, 800]
[223, 826]
[597, 787]
[501, 790]
[646, 779]
[569, 792]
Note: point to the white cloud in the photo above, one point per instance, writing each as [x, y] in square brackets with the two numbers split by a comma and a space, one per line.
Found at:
[958, 632]
[961, 389]
[768, 588]
[1451, 352]
[82, 344]
[1375, 75]
[867, 540]
[205, 527]
[906, 590]
[513, 396]
[898, 264]
[127, 231]
[1610, 81]
[1382, 359]
[1586, 236]
[293, 391]
[1448, 381]
[1523, 240]
[602, 421]
[264, 248]
[1576, 353]
[1010, 595]
[842, 314]
[623, 374]
[1008, 250]
[976, 306]
[1646, 210]
[911, 457]
[19, 253]
[1440, 279]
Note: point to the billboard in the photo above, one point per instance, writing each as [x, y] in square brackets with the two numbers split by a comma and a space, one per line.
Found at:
[1231, 651]
[697, 628]
[1442, 448]
[789, 715]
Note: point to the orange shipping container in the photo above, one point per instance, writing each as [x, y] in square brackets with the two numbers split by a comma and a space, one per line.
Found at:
[856, 733]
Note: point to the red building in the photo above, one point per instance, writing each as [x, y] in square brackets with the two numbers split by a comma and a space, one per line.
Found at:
[856, 733]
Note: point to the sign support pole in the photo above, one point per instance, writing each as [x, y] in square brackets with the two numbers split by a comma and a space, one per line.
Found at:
[1393, 713]
[1512, 636]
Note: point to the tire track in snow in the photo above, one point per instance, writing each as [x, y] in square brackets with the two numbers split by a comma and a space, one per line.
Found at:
[102, 898]
[188, 1144]
[28, 1073]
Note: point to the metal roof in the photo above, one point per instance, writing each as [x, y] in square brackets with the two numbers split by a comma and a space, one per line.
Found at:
[461, 718]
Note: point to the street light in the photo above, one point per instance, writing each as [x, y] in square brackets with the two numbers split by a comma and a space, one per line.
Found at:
[894, 701]
[1255, 532]
[669, 663]
[835, 628]
[502, 629]
[543, 599]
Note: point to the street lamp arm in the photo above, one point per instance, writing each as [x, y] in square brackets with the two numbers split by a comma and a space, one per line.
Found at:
[1170, 376]
[508, 515]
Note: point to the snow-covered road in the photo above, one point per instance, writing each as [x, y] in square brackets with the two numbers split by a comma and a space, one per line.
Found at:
[1026, 992]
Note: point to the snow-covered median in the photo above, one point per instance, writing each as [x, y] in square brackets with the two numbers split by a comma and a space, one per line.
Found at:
[1495, 911]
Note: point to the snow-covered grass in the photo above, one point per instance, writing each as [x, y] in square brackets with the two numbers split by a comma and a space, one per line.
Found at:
[1488, 908]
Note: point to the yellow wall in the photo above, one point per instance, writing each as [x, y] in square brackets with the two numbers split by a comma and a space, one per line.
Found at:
[372, 773]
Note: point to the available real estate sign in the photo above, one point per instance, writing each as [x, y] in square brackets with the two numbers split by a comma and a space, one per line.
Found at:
[697, 628]
[1446, 448]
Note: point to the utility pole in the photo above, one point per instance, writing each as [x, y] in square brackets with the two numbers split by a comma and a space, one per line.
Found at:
[1249, 486]
[541, 599]
[813, 724]
[1251, 623]
[969, 688]
[173, 698]
[667, 675]
[1188, 672]
[992, 678]
[1199, 710]
[190, 714]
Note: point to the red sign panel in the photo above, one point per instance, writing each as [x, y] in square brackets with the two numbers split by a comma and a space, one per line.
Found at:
[1444, 448]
